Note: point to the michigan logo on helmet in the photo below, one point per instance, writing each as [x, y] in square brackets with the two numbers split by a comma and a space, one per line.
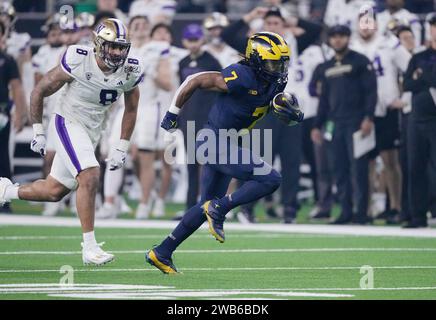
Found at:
[269, 54]
[112, 42]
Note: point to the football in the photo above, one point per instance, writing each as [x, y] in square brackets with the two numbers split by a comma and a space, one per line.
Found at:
[285, 106]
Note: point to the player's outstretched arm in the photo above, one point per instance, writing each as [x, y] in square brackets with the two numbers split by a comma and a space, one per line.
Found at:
[209, 80]
[51, 82]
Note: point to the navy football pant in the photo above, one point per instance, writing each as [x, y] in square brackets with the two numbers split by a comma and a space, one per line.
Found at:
[215, 179]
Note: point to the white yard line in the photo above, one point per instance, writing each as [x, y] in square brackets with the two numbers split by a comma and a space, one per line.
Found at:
[201, 251]
[30, 220]
[148, 269]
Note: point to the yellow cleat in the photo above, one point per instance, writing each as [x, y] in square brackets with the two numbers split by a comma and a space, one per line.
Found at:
[215, 220]
[163, 264]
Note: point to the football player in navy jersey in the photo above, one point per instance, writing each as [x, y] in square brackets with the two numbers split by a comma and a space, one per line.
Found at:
[246, 90]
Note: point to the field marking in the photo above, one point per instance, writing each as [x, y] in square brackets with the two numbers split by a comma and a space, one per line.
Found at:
[385, 231]
[266, 250]
[148, 269]
[160, 236]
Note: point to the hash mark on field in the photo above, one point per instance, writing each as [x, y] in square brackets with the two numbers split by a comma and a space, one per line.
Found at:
[285, 250]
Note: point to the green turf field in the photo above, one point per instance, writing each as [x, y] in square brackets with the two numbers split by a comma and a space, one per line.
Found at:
[249, 265]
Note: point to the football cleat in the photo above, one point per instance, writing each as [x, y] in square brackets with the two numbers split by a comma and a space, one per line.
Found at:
[94, 255]
[143, 211]
[107, 211]
[4, 184]
[163, 264]
[215, 220]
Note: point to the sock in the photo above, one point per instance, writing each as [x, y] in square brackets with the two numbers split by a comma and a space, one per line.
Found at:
[11, 192]
[190, 222]
[89, 239]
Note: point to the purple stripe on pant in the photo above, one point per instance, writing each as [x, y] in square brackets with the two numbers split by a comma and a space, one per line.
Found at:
[66, 141]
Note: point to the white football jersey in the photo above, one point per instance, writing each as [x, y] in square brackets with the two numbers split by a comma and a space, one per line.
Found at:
[17, 43]
[389, 59]
[151, 53]
[225, 57]
[165, 97]
[403, 16]
[43, 61]
[345, 12]
[87, 98]
[153, 9]
[301, 74]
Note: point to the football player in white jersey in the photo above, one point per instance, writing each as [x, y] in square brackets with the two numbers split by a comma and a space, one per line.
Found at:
[213, 25]
[94, 78]
[345, 12]
[149, 136]
[390, 59]
[47, 57]
[395, 12]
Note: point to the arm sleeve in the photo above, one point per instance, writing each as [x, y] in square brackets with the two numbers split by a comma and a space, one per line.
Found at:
[236, 78]
[235, 35]
[310, 35]
[323, 106]
[369, 86]
[411, 84]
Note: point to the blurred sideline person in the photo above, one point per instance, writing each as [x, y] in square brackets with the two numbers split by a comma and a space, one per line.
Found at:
[351, 73]
[157, 11]
[111, 6]
[77, 124]
[390, 60]
[197, 60]
[345, 12]
[149, 137]
[10, 86]
[48, 57]
[113, 205]
[85, 22]
[162, 32]
[420, 79]
[395, 12]
[214, 25]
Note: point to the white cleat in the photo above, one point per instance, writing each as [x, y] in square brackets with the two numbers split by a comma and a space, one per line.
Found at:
[159, 208]
[95, 256]
[4, 184]
[107, 211]
[143, 211]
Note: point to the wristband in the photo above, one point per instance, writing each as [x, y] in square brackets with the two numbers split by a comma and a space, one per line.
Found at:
[38, 129]
[174, 109]
[123, 145]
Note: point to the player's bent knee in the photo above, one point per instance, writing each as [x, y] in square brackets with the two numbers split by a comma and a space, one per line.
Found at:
[273, 180]
[89, 178]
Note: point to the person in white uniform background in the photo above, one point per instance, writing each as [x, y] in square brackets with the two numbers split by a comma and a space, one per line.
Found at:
[390, 60]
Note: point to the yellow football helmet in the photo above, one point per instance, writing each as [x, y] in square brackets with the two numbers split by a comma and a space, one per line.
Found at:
[112, 42]
[269, 54]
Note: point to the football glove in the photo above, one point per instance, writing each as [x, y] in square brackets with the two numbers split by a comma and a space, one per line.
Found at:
[38, 142]
[117, 157]
[285, 106]
[169, 122]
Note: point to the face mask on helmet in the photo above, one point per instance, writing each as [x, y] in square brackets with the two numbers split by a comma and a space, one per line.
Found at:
[275, 70]
[113, 54]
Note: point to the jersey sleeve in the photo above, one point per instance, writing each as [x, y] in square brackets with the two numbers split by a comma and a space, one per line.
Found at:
[135, 70]
[237, 78]
[73, 58]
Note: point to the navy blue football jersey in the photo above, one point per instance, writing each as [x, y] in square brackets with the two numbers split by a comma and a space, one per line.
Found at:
[246, 101]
